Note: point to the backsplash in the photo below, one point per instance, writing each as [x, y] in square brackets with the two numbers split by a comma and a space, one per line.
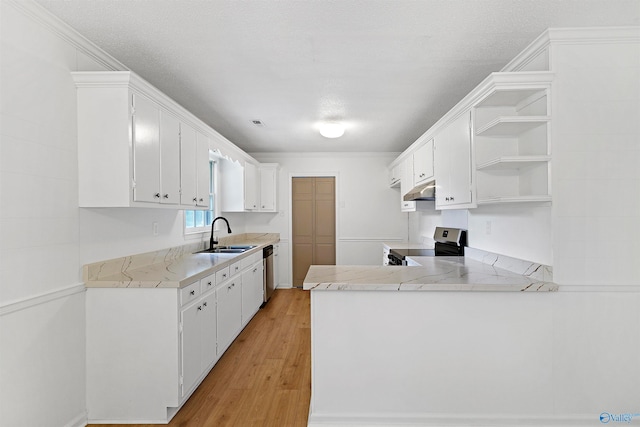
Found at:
[541, 272]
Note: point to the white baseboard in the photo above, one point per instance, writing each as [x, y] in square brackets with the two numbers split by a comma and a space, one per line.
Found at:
[451, 420]
[284, 286]
[79, 421]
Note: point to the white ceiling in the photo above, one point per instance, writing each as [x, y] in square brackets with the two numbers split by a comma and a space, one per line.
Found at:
[388, 68]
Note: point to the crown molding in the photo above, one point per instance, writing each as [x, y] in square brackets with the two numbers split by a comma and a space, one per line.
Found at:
[42, 16]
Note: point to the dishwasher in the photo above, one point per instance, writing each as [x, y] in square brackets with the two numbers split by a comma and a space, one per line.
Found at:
[267, 262]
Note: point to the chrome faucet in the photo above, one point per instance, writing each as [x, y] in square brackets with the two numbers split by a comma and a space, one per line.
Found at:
[215, 242]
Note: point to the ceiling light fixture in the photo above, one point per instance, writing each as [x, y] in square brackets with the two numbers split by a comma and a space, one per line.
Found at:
[331, 129]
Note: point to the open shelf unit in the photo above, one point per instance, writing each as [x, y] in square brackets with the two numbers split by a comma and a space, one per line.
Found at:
[512, 162]
[511, 126]
[511, 130]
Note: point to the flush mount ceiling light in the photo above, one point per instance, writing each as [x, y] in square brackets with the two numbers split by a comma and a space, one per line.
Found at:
[331, 129]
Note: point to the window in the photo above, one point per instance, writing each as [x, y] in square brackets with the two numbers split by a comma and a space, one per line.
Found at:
[200, 221]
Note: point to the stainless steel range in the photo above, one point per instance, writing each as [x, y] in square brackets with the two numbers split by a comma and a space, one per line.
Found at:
[449, 242]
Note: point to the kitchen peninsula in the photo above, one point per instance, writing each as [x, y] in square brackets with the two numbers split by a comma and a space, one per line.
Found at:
[429, 345]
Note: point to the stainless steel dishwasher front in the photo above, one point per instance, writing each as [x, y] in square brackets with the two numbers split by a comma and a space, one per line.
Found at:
[267, 261]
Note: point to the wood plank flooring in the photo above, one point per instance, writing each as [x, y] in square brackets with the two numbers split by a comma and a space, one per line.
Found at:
[264, 378]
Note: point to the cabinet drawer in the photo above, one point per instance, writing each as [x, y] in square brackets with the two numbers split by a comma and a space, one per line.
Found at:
[250, 260]
[235, 268]
[207, 283]
[189, 293]
[222, 275]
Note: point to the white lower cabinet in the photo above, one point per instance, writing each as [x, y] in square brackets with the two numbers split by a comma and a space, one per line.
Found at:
[252, 291]
[149, 348]
[229, 297]
[197, 340]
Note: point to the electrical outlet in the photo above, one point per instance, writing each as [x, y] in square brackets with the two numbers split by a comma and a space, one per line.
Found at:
[488, 228]
[154, 227]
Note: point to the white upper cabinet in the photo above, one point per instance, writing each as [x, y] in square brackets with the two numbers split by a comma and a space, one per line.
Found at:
[248, 188]
[512, 146]
[453, 164]
[268, 187]
[130, 146]
[188, 180]
[423, 164]
[169, 159]
[231, 186]
[395, 173]
[201, 165]
[194, 167]
[406, 184]
[146, 149]
[251, 187]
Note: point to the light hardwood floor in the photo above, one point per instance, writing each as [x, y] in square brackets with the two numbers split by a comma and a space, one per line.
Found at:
[264, 378]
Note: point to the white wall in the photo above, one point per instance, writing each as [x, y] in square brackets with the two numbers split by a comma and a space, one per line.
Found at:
[596, 158]
[368, 211]
[42, 338]
[44, 237]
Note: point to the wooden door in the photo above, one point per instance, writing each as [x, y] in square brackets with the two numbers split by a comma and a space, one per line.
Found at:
[314, 224]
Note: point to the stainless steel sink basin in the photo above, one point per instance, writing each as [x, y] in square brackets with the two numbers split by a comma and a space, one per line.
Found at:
[233, 249]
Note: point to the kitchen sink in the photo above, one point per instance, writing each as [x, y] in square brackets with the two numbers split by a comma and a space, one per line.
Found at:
[233, 249]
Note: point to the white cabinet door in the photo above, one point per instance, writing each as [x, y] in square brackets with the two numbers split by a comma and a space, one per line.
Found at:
[208, 331]
[268, 185]
[229, 297]
[251, 291]
[188, 191]
[423, 164]
[406, 184]
[201, 165]
[453, 164]
[395, 176]
[146, 150]
[276, 266]
[191, 346]
[169, 159]
[250, 186]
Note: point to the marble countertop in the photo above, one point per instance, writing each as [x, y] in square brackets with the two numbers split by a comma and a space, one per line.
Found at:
[169, 268]
[434, 274]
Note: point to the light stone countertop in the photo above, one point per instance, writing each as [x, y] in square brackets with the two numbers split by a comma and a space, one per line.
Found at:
[168, 268]
[435, 274]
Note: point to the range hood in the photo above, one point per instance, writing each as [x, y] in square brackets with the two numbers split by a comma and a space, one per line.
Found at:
[422, 192]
